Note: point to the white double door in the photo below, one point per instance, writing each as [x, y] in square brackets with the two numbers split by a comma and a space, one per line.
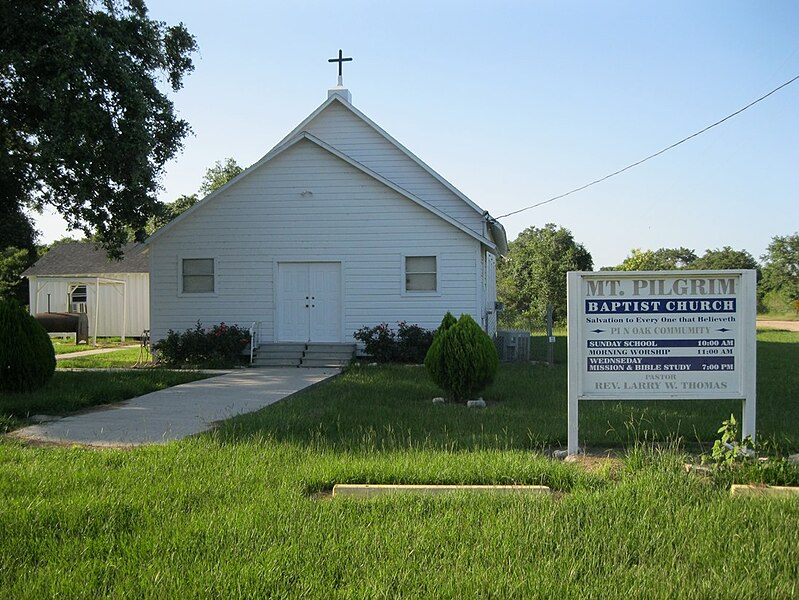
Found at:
[309, 302]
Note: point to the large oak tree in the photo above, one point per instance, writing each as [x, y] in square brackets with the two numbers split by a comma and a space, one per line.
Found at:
[85, 123]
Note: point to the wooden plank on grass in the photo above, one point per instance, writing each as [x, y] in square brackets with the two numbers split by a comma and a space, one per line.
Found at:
[368, 490]
[763, 490]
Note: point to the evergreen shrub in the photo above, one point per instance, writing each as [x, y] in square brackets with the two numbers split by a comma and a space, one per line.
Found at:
[462, 359]
[27, 357]
[434, 361]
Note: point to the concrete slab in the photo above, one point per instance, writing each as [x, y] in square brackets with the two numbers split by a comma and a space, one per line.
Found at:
[367, 490]
[763, 490]
[179, 411]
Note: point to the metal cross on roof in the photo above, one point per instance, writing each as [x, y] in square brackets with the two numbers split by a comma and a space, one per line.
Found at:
[340, 60]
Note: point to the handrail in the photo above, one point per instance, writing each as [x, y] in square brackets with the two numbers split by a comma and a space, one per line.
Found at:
[253, 330]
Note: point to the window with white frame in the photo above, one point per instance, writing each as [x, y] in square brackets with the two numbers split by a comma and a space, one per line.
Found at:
[198, 275]
[421, 274]
[79, 294]
[78, 299]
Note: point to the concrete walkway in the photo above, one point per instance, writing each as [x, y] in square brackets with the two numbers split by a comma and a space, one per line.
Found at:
[176, 412]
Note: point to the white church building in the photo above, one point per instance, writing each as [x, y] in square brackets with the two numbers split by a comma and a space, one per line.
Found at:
[338, 227]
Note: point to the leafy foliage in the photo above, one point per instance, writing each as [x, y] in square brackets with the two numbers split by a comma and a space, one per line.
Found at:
[669, 259]
[168, 211]
[16, 228]
[13, 261]
[27, 358]
[534, 272]
[662, 259]
[17, 251]
[214, 178]
[408, 345]
[85, 127]
[726, 258]
[735, 461]
[727, 450]
[218, 175]
[781, 269]
[221, 345]
[462, 360]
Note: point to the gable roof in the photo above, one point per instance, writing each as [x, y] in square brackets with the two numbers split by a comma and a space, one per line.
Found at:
[336, 97]
[304, 135]
[85, 258]
[495, 229]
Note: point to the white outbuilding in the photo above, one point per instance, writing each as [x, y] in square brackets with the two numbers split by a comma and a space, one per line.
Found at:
[338, 227]
[79, 277]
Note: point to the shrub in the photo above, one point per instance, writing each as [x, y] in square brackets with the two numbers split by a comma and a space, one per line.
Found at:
[408, 345]
[221, 345]
[462, 360]
[434, 360]
[413, 342]
[379, 342]
[27, 357]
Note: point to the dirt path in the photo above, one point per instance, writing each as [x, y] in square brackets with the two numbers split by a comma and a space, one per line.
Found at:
[788, 325]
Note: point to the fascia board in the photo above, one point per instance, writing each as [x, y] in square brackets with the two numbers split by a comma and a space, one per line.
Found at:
[288, 143]
[390, 184]
[210, 197]
[409, 154]
[337, 98]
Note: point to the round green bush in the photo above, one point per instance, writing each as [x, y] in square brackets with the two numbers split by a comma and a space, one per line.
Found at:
[27, 358]
[434, 359]
[462, 360]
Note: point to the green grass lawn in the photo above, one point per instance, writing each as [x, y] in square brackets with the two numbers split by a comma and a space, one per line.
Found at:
[71, 391]
[64, 345]
[119, 359]
[238, 512]
[391, 407]
[210, 518]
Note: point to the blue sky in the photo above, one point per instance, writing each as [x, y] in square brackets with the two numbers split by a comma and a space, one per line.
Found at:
[516, 102]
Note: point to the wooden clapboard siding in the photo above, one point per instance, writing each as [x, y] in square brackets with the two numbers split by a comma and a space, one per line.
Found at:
[111, 301]
[348, 216]
[341, 128]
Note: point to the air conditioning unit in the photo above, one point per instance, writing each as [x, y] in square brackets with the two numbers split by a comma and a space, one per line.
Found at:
[78, 307]
[513, 346]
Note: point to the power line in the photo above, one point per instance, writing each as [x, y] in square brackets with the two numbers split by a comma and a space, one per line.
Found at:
[643, 160]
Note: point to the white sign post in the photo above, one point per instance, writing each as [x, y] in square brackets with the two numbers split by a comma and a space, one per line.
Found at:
[661, 335]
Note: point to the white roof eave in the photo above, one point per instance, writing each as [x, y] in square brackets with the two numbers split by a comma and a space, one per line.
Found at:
[298, 134]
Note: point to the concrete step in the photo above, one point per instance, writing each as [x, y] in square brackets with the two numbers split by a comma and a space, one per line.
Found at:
[330, 349]
[278, 355]
[306, 355]
[281, 349]
[324, 362]
[343, 352]
[275, 362]
[328, 355]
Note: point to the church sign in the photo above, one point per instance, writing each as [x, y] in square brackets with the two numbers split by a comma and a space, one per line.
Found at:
[661, 335]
